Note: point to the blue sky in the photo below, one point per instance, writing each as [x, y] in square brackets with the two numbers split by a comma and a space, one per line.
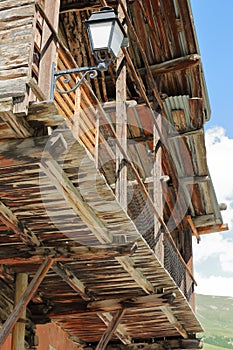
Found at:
[214, 26]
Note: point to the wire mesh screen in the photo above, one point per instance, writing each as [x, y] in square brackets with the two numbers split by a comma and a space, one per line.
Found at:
[176, 269]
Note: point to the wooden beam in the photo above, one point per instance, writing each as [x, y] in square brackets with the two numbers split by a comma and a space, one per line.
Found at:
[173, 320]
[173, 65]
[48, 45]
[193, 228]
[75, 200]
[158, 190]
[44, 112]
[110, 330]
[205, 220]
[11, 221]
[212, 229]
[69, 277]
[150, 77]
[18, 333]
[121, 124]
[120, 332]
[35, 89]
[145, 301]
[13, 87]
[66, 252]
[77, 285]
[107, 306]
[26, 297]
[128, 265]
[172, 344]
[189, 180]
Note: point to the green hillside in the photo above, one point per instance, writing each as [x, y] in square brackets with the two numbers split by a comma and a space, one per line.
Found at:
[216, 316]
[212, 347]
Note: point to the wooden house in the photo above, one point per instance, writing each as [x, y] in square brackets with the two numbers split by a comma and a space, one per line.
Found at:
[101, 188]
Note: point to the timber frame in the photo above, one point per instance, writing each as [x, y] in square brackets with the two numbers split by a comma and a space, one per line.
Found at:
[102, 189]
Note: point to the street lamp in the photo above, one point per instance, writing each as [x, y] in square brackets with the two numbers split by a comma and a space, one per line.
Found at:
[106, 34]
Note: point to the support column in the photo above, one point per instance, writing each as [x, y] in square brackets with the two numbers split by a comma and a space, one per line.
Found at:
[121, 125]
[110, 330]
[18, 333]
[48, 47]
[24, 300]
[158, 195]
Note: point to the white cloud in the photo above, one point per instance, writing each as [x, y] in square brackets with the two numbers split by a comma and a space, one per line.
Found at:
[214, 285]
[214, 245]
[218, 246]
[219, 157]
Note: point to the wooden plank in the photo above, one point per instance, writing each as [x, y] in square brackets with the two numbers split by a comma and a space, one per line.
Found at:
[28, 294]
[179, 120]
[18, 332]
[110, 330]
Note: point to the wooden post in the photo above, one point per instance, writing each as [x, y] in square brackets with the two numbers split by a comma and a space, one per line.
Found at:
[158, 195]
[121, 126]
[48, 47]
[18, 333]
[110, 330]
[26, 297]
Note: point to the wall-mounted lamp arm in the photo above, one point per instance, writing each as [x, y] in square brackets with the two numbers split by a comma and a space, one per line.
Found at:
[66, 75]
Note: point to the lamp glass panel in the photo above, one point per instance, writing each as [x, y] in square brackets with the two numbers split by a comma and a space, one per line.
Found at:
[100, 33]
[117, 39]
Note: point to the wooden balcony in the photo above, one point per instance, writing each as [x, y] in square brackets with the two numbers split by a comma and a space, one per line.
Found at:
[100, 213]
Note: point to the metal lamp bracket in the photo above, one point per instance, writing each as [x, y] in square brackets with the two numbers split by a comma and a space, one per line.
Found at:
[66, 75]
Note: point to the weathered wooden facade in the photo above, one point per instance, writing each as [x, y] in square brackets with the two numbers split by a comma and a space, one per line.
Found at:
[103, 188]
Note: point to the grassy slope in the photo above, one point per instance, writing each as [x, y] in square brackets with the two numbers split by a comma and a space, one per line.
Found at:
[212, 347]
[216, 316]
